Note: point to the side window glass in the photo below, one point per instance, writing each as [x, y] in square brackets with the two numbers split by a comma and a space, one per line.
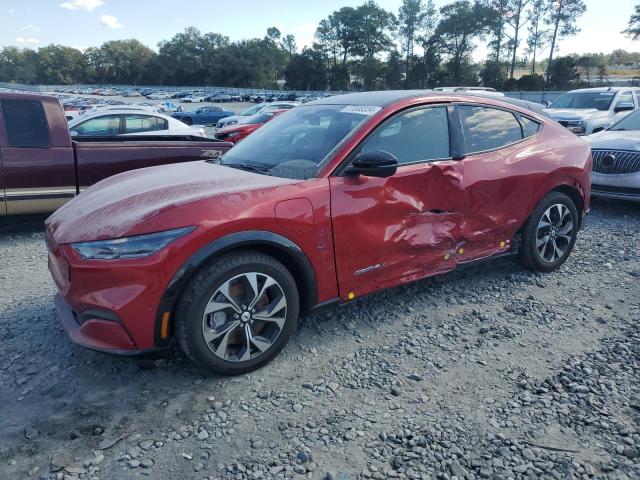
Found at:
[143, 123]
[419, 135]
[488, 128]
[25, 123]
[104, 126]
[626, 97]
[529, 127]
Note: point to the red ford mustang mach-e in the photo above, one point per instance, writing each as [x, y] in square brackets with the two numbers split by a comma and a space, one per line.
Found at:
[328, 202]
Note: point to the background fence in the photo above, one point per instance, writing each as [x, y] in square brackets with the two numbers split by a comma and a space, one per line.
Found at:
[538, 97]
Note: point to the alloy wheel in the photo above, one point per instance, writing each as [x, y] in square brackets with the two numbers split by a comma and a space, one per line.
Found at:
[554, 233]
[244, 317]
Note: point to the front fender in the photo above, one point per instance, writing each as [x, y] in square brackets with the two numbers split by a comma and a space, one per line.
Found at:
[247, 239]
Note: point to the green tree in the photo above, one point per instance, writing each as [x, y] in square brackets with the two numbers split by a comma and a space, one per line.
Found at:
[562, 17]
[393, 71]
[374, 27]
[563, 73]
[307, 70]
[60, 65]
[516, 20]
[288, 44]
[538, 35]
[462, 22]
[633, 28]
[120, 61]
[429, 44]
[411, 17]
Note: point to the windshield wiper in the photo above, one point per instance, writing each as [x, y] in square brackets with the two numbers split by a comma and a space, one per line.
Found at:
[247, 167]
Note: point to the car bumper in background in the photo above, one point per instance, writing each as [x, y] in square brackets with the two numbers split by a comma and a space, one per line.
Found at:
[623, 187]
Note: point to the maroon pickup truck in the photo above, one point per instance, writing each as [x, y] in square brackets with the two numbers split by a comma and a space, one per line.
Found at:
[41, 167]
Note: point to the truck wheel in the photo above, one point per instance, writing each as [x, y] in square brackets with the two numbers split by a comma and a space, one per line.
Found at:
[237, 313]
[188, 120]
[550, 233]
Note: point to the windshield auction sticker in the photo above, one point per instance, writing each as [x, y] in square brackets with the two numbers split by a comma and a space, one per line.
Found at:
[361, 109]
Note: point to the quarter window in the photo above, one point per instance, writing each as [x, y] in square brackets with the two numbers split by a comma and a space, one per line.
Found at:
[488, 128]
[529, 127]
[144, 123]
[419, 135]
[626, 97]
[25, 123]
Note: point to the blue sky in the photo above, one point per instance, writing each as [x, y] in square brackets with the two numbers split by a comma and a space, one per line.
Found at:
[85, 23]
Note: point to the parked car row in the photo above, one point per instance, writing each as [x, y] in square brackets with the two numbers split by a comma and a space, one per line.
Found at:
[609, 118]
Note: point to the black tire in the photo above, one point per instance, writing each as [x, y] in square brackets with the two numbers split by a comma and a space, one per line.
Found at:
[188, 120]
[529, 255]
[196, 296]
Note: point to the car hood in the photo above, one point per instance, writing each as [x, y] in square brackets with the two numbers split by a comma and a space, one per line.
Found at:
[113, 207]
[573, 113]
[615, 140]
[238, 127]
[237, 118]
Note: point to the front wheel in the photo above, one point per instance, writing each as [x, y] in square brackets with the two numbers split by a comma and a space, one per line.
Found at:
[238, 313]
[550, 233]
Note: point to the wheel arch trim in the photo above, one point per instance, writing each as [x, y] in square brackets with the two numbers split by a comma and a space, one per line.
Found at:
[268, 242]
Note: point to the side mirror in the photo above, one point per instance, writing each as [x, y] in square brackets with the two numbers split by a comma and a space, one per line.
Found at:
[377, 163]
[624, 107]
[73, 133]
[546, 103]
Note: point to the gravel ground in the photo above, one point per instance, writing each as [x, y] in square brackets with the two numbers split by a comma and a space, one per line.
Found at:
[488, 372]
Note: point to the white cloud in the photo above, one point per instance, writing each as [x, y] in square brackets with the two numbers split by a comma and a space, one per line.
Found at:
[304, 33]
[11, 11]
[27, 40]
[110, 21]
[31, 28]
[88, 5]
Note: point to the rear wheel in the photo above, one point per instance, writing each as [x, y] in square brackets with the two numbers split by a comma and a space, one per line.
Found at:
[550, 234]
[238, 313]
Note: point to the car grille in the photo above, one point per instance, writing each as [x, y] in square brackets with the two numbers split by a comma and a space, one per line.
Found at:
[615, 162]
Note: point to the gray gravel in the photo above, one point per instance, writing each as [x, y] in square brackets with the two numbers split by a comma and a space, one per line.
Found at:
[489, 372]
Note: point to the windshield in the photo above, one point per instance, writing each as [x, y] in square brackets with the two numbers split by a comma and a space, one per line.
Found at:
[252, 111]
[585, 100]
[630, 122]
[297, 143]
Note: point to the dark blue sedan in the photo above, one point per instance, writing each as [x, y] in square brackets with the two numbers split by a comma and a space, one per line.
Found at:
[203, 116]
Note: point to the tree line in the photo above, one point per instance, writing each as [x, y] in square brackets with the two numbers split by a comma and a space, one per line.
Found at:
[365, 47]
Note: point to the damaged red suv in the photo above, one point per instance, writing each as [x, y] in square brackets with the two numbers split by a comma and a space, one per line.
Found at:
[328, 202]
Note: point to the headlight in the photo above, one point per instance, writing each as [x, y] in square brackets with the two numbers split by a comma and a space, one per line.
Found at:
[129, 247]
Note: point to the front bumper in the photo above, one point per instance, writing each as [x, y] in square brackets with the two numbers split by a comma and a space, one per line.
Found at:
[621, 187]
[110, 306]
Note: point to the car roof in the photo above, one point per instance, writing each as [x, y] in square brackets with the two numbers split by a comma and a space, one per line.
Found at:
[603, 89]
[380, 98]
[389, 97]
[122, 111]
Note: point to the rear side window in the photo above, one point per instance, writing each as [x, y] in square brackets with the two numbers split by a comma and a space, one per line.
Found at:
[144, 123]
[529, 127]
[25, 123]
[488, 128]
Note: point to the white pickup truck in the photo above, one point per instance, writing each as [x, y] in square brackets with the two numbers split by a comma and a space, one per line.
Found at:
[591, 110]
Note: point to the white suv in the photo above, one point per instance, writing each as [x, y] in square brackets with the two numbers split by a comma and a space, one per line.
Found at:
[591, 110]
